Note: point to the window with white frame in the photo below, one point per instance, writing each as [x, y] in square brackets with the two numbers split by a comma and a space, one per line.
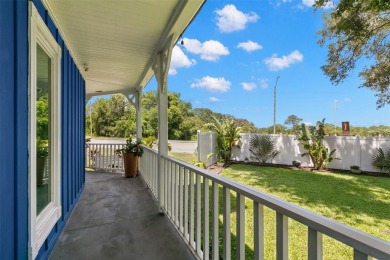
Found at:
[44, 131]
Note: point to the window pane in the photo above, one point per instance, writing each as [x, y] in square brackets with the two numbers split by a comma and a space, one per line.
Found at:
[43, 129]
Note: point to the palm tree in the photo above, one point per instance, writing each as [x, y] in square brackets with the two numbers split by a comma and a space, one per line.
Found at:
[228, 133]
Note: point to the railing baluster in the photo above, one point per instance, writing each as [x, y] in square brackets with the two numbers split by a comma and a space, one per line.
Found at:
[186, 203]
[110, 165]
[357, 255]
[100, 156]
[314, 244]
[192, 244]
[166, 188]
[215, 221]
[281, 237]
[240, 226]
[206, 232]
[258, 218]
[226, 224]
[198, 215]
[176, 195]
[172, 191]
[181, 173]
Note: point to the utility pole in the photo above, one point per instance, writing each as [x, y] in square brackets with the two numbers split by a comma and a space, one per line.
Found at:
[334, 114]
[275, 104]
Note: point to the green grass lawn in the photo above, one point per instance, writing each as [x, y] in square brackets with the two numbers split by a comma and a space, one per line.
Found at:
[185, 157]
[362, 202]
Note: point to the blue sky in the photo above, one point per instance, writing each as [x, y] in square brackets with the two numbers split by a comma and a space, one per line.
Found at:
[234, 51]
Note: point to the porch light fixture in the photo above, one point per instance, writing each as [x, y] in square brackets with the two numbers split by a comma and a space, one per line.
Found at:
[85, 66]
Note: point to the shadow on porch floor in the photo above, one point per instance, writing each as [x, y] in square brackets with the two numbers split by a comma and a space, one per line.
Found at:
[117, 218]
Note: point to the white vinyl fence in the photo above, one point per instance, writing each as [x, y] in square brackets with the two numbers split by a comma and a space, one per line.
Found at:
[206, 145]
[352, 150]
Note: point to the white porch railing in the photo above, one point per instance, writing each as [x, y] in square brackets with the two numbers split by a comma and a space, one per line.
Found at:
[103, 157]
[187, 201]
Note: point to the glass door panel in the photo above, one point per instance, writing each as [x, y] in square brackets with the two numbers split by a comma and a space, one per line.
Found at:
[43, 171]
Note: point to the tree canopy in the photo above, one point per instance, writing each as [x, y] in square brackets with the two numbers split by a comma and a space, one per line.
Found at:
[116, 117]
[358, 30]
[294, 121]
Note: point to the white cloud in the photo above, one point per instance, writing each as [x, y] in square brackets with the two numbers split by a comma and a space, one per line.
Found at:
[249, 46]
[212, 84]
[264, 83]
[229, 19]
[213, 99]
[275, 63]
[179, 60]
[310, 3]
[209, 50]
[248, 86]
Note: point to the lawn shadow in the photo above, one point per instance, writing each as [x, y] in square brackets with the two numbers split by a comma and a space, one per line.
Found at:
[350, 195]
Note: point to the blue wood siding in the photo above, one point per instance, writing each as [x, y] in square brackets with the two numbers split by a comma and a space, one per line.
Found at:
[14, 201]
[72, 133]
[13, 129]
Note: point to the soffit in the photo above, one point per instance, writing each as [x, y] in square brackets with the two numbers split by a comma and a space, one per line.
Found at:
[114, 43]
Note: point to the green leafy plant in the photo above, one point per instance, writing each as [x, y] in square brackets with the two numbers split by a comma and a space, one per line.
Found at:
[42, 148]
[203, 164]
[262, 148]
[228, 133]
[132, 146]
[311, 137]
[149, 141]
[381, 160]
[354, 167]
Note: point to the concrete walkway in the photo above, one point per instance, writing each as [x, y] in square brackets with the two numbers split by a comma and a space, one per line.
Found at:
[117, 218]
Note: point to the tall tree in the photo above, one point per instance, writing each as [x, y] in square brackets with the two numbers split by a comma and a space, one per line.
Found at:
[294, 121]
[356, 30]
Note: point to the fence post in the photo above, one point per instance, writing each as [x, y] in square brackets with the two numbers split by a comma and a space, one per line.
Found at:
[198, 144]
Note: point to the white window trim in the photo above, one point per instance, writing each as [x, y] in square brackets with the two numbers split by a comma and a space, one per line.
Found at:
[41, 225]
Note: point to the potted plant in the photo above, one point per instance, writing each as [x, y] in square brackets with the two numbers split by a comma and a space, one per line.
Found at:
[355, 169]
[131, 151]
[42, 153]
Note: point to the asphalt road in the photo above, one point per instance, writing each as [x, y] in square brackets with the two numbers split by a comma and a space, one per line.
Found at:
[177, 146]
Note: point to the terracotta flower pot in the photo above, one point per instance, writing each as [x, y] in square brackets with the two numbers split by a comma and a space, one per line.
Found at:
[131, 164]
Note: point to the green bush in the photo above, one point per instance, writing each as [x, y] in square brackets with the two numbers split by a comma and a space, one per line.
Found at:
[311, 137]
[262, 148]
[381, 160]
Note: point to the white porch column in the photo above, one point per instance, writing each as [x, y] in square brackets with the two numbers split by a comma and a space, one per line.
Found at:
[138, 109]
[161, 67]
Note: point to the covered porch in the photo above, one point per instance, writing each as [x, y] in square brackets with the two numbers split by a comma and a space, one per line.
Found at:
[118, 218]
[118, 47]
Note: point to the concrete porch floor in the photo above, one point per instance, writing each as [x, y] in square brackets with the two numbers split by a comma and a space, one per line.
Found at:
[117, 218]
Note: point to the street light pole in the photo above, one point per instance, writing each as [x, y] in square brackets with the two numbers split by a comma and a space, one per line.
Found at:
[275, 104]
[334, 114]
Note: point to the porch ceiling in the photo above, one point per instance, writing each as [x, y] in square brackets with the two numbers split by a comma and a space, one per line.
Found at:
[114, 43]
